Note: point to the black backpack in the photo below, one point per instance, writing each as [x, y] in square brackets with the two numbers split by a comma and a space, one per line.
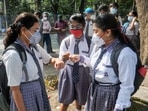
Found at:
[140, 70]
[3, 75]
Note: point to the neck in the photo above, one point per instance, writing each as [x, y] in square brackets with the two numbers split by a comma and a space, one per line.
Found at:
[109, 42]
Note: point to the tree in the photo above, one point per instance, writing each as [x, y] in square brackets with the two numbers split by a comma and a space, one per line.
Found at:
[142, 6]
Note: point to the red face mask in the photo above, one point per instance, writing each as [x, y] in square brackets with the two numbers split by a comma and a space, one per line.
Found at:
[76, 32]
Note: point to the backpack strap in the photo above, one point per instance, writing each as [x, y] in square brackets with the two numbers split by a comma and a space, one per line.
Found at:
[114, 56]
[22, 54]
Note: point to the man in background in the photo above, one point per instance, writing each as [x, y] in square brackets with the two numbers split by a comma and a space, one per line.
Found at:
[61, 28]
[89, 12]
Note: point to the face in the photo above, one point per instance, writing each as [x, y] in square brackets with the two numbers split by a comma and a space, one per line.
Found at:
[88, 16]
[76, 29]
[102, 12]
[75, 25]
[33, 29]
[105, 35]
[130, 14]
[27, 33]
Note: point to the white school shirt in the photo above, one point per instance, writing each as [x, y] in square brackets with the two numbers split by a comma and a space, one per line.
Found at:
[14, 65]
[90, 28]
[46, 27]
[134, 31]
[83, 47]
[127, 61]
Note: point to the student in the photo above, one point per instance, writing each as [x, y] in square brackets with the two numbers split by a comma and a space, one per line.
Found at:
[114, 10]
[61, 27]
[108, 92]
[103, 9]
[46, 33]
[74, 79]
[132, 29]
[39, 38]
[27, 95]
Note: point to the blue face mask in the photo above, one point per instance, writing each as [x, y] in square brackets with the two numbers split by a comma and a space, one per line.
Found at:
[113, 10]
[32, 38]
[130, 18]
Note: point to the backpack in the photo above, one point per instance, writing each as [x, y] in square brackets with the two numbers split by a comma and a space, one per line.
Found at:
[140, 69]
[3, 75]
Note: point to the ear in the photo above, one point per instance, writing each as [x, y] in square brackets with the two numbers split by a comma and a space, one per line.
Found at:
[23, 29]
[108, 32]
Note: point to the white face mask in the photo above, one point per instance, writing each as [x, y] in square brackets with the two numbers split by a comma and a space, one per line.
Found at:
[97, 40]
[31, 39]
[113, 10]
[44, 18]
[92, 17]
[130, 18]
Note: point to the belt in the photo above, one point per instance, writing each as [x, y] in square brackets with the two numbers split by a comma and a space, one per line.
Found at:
[105, 84]
[30, 81]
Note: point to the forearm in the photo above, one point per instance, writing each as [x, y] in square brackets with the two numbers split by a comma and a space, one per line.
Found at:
[18, 98]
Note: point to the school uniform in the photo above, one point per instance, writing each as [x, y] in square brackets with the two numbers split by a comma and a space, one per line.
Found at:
[68, 91]
[108, 91]
[31, 90]
[133, 36]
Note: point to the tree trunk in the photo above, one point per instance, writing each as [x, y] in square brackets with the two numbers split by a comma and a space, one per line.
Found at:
[142, 8]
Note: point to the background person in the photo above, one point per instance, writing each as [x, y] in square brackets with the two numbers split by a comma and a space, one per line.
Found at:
[30, 94]
[61, 27]
[39, 38]
[132, 29]
[88, 31]
[114, 10]
[103, 9]
[46, 33]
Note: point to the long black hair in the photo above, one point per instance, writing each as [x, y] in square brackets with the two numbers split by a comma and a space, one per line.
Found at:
[108, 21]
[22, 20]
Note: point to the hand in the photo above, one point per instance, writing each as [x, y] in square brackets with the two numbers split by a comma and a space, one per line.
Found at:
[65, 56]
[134, 19]
[74, 58]
[59, 64]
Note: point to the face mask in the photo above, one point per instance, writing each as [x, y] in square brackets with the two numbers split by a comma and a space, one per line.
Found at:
[113, 10]
[32, 39]
[130, 18]
[97, 40]
[44, 18]
[76, 32]
[92, 17]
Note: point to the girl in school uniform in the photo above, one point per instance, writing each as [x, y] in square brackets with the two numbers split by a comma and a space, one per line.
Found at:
[109, 92]
[74, 79]
[27, 88]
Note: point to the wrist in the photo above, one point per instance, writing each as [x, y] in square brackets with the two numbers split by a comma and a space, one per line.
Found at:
[81, 59]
